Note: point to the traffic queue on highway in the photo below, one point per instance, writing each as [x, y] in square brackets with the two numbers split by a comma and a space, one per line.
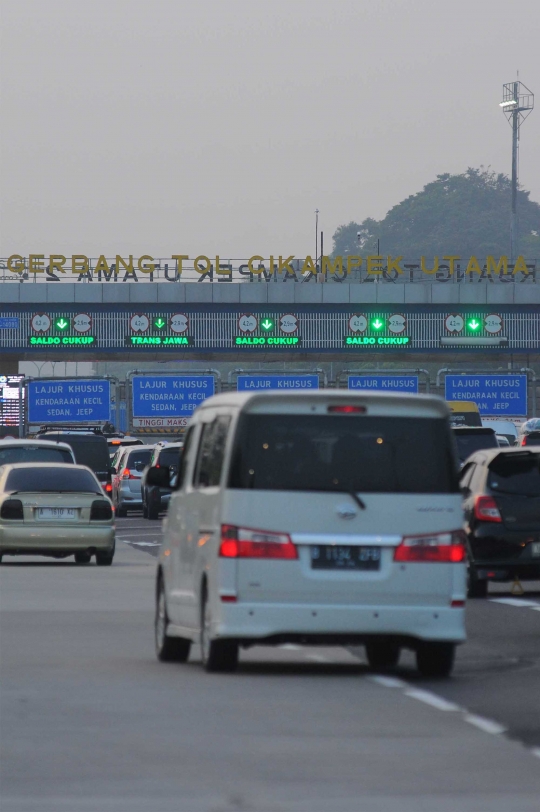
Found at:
[325, 517]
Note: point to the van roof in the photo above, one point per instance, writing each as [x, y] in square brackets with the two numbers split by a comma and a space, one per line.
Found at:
[408, 405]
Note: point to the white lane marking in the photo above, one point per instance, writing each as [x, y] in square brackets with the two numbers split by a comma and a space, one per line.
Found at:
[317, 658]
[514, 602]
[141, 543]
[535, 608]
[389, 682]
[487, 725]
[290, 647]
[432, 699]
[536, 751]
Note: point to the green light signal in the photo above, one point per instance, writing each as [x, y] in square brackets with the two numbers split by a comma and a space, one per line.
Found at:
[473, 324]
[61, 323]
[267, 324]
[159, 323]
[377, 324]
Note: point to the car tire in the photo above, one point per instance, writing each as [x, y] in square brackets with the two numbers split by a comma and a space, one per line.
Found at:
[144, 511]
[82, 557]
[382, 654]
[104, 558]
[435, 659]
[168, 649]
[476, 587]
[121, 511]
[217, 655]
[152, 512]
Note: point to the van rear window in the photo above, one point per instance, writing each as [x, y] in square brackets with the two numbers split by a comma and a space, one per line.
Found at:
[343, 453]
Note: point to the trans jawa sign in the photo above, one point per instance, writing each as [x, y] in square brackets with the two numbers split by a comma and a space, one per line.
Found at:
[180, 267]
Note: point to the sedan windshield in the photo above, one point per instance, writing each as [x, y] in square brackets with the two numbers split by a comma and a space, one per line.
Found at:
[49, 480]
[33, 453]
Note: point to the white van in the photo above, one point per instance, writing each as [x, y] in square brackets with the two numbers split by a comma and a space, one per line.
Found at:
[325, 517]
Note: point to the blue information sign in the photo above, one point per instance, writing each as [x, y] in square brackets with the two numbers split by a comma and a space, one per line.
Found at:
[77, 401]
[495, 395]
[9, 323]
[169, 395]
[255, 383]
[385, 383]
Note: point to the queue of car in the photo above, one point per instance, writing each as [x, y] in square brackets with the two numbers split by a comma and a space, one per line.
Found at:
[306, 518]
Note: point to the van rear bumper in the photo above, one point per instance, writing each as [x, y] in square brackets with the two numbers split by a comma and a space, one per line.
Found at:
[268, 623]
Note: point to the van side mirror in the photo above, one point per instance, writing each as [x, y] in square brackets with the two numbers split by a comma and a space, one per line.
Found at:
[158, 476]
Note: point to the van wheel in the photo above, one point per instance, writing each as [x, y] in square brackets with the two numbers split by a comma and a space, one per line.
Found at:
[381, 654]
[121, 512]
[83, 557]
[476, 587]
[144, 511]
[168, 649]
[217, 655]
[435, 659]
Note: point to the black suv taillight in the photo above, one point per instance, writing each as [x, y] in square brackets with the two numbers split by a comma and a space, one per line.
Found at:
[12, 509]
[101, 511]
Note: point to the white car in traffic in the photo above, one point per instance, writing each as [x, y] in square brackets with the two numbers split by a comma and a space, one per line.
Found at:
[314, 518]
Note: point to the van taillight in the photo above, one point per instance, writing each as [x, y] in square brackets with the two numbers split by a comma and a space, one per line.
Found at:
[126, 474]
[12, 509]
[242, 542]
[446, 548]
[101, 511]
[486, 510]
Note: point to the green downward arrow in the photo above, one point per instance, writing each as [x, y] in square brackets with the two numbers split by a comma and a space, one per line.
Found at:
[61, 324]
[159, 323]
[267, 324]
[377, 324]
[474, 325]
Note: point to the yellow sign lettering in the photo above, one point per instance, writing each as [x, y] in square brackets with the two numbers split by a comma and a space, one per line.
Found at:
[334, 267]
[79, 264]
[16, 266]
[35, 263]
[179, 258]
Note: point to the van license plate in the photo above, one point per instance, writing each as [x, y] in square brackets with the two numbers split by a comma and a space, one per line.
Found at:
[57, 513]
[341, 557]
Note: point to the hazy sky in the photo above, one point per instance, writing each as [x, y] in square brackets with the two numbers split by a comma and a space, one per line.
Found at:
[219, 126]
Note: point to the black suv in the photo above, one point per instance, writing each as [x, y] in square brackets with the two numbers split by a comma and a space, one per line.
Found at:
[155, 498]
[473, 438]
[90, 449]
[501, 490]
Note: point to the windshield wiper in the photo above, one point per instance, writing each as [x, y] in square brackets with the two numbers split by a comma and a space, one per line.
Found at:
[360, 502]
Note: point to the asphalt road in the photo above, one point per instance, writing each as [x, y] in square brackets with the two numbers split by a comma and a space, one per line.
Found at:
[91, 722]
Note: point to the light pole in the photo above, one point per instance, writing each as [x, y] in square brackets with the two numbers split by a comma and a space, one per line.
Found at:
[316, 236]
[517, 104]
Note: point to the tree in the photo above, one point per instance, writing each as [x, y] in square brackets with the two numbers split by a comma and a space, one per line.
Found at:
[466, 214]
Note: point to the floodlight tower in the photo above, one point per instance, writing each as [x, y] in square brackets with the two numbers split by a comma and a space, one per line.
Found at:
[517, 104]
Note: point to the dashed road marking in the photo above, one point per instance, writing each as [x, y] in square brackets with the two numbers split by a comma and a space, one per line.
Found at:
[516, 602]
[389, 682]
[487, 725]
[290, 647]
[317, 658]
[432, 699]
[141, 543]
